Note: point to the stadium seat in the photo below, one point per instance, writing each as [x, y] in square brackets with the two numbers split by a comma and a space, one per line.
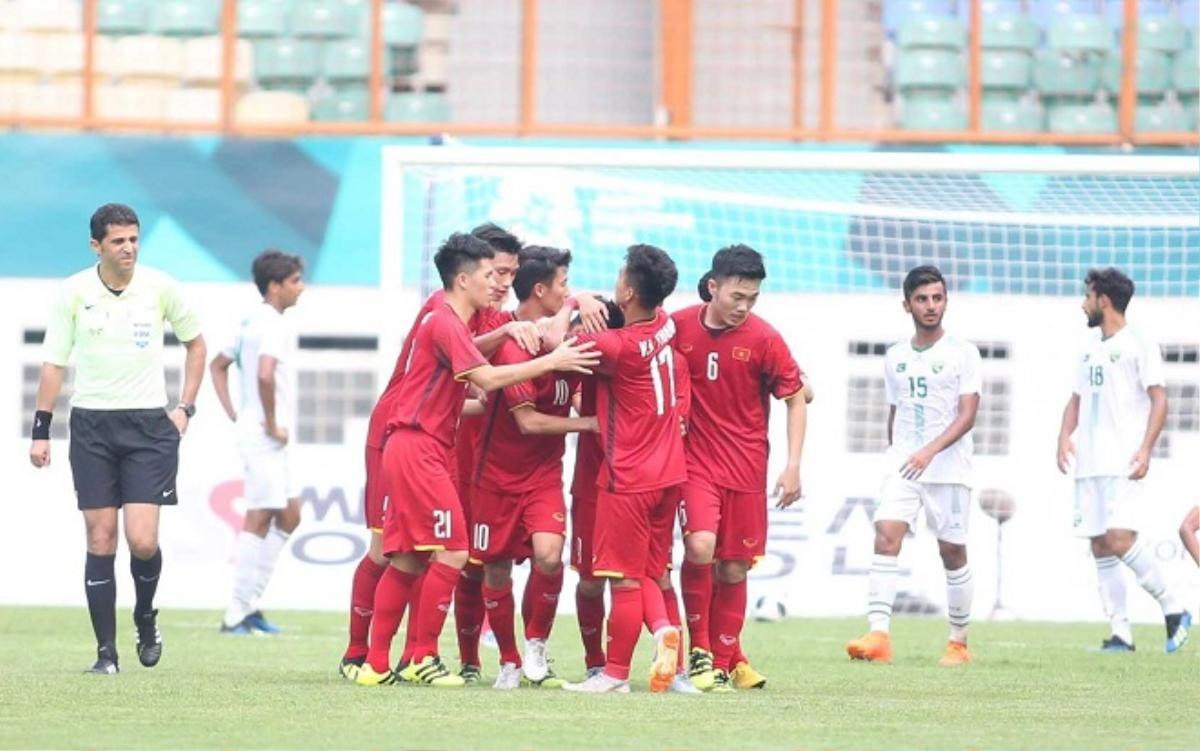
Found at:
[130, 101]
[433, 63]
[1074, 117]
[1080, 33]
[1047, 12]
[346, 60]
[320, 19]
[198, 105]
[1010, 115]
[1058, 74]
[18, 54]
[931, 114]
[1153, 73]
[935, 32]
[1015, 32]
[990, 8]
[142, 58]
[47, 15]
[187, 17]
[1114, 10]
[60, 54]
[1163, 33]
[896, 12]
[417, 107]
[271, 108]
[203, 57]
[403, 24]
[436, 28]
[349, 104]
[1186, 73]
[122, 17]
[923, 68]
[261, 18]
[1163, 117]
[59, 99]
[284, 63]
[1005, 69]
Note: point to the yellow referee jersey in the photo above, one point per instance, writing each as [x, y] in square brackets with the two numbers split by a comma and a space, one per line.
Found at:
[116, 341]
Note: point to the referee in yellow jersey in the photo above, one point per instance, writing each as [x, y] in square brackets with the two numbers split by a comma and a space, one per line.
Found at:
[124, 451]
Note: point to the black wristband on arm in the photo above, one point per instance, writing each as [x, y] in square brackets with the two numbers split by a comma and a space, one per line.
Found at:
[41, 425]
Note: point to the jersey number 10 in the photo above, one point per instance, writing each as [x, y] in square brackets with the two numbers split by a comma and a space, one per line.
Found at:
[664, 357]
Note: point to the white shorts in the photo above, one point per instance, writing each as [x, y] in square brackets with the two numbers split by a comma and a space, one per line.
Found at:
[1104, 503]
[267, 484]
[947, 507]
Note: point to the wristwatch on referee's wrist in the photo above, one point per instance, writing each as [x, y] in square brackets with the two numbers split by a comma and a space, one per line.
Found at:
[188, 409]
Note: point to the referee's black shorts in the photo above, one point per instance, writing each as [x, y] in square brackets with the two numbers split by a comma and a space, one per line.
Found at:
[123, 456]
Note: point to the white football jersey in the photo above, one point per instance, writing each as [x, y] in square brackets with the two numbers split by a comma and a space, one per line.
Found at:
[265, 331]
[924, 386]
[1111, 379]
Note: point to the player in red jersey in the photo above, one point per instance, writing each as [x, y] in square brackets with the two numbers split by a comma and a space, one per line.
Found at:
[519, 510]
[490, 330]
[642, 469]
[737, 362]
[425, 525]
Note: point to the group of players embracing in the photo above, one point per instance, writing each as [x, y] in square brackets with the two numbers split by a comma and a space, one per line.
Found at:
[465, 469]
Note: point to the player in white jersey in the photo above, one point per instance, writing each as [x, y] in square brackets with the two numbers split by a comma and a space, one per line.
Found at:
[265, 353]
[1116, 412]
[932, 383]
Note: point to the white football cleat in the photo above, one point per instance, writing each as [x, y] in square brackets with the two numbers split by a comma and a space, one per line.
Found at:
[509, 678]
[681, 684]
[536, 662]
[600, 683]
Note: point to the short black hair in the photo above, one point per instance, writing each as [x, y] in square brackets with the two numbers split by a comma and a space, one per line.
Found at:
[273, 265]
[702, 287]
[112, 213]
[538, 264]
[501, 240]
[919, 277]
[459, 252]
[738, 261]
[616, 319]
[1113, 284]
[651, 273]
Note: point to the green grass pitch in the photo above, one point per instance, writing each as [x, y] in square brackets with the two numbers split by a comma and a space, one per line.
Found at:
[1032, 685]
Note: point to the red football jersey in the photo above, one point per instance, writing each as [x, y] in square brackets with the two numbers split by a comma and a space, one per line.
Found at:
[589, 455]
[482, 322]
[506, 459]
[466, 437]
[431, 393]
[637, 404]
[734, 372]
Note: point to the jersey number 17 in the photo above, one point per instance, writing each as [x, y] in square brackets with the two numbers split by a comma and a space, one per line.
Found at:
[664, 357]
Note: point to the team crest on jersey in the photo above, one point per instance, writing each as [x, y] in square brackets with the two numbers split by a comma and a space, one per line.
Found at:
[1114, 356]
[741, 353]
[685, 348]
[901, 367]
[937, 367]
[1087, 357]
[559, 517]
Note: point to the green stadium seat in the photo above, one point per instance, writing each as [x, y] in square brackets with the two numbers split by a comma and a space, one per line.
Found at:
[927, 68]
[937, 32]
[1163, 117]
[187, 17]
[931, 114]
[1186, 73]
[321, 19]
[1075, 117]
[417, 107]
[1005, 69]
[1057, 74]
[1153, 73]
[1162, 33]
[1010, 115]
[349, 104]
[405, 60]
[285, 64]
[1009, 33]
[350, 60]
[261, 18]
[122, 17]
[1191, 111]
[403, 24]
[1080, 33]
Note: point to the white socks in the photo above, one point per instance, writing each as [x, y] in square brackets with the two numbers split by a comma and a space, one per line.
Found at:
[960, 590]
[245, 576]
[1112, 596]
[272, 545]
[881, 591]
[1149, 576]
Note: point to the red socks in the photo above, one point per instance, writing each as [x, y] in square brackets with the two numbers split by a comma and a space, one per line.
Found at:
[414, 615]
[590, 611]
[654, 610]
[362, 605]
[501, 613]
[540, 602]
[436, 593]
[729, 613]
[624, 626]
[391, 598]
[468, 618]
[696, 581]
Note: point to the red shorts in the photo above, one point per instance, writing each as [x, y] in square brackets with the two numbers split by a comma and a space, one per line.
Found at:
[739, 520]
[374, 497]
[504, 524]
[424, 513]
[633, 534]
[583, 530]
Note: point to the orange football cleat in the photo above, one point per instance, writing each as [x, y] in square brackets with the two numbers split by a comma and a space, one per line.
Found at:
[956, 654]
[876, 646]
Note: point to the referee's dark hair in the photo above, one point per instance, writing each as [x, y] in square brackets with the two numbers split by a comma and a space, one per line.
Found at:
[1113, 284]
[460, 252]
[112, 214]
[539, 264]
[273, 265]
[501, 240]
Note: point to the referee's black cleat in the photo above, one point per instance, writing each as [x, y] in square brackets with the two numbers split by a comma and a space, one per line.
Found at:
[149, 640]
[106, 661]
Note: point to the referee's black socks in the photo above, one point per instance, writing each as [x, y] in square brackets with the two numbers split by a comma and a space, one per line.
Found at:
[101, 587]
[145, 580]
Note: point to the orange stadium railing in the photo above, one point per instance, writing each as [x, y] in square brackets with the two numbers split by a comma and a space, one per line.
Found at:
[675, 93]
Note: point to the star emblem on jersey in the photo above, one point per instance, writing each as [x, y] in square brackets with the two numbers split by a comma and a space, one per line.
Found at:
[741, 353]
